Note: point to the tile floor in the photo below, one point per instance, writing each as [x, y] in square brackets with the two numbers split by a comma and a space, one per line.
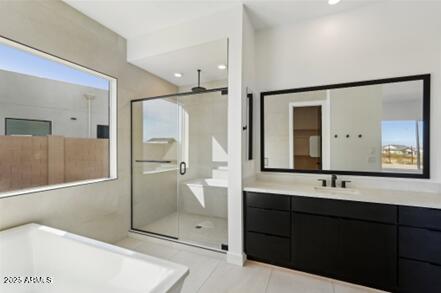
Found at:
[210, 273]
[212, 232]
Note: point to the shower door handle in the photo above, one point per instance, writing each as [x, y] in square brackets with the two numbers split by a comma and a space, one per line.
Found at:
[182, 168]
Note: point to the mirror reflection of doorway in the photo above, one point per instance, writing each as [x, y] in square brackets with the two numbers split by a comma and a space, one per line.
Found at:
[307, 136]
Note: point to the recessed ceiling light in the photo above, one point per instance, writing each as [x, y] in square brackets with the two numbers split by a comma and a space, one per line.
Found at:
[333, 2]
[178, 75]
[222, 66]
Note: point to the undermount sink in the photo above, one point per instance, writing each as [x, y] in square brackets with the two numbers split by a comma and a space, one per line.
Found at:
[336, 190]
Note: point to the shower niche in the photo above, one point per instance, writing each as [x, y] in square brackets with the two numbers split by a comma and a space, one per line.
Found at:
[179, 160]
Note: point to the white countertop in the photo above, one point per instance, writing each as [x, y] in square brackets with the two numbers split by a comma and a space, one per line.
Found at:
[384, 196]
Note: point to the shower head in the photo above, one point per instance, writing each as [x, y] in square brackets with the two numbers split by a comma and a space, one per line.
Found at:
[198, 88]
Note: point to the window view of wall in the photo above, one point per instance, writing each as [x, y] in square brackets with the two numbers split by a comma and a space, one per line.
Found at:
[54, 121]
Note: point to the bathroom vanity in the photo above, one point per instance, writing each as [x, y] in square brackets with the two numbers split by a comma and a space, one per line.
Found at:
[376, 238]
[384, 239]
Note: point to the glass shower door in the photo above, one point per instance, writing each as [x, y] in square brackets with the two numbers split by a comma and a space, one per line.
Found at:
[202, 188]
[155, 166]
[180, 167]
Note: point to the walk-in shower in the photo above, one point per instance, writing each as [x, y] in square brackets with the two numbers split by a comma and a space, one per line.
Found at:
[179, 167]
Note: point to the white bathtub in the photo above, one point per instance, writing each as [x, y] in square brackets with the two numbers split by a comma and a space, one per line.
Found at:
[41, 259]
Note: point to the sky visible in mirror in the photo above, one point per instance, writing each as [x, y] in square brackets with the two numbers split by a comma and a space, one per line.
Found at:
[404, 133]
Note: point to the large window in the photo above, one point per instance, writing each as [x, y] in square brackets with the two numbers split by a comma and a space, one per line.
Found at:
[57, 122]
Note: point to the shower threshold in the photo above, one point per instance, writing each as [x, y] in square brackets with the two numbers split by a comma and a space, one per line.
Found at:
[196, 230]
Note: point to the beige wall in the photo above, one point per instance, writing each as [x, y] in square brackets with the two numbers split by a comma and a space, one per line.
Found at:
[102, 210]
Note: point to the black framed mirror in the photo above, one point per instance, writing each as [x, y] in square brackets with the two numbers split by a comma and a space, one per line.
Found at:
[370, 128]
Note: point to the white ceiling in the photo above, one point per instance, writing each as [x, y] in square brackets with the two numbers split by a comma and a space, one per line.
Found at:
[186, 61]
[133, 18]
[269, 14]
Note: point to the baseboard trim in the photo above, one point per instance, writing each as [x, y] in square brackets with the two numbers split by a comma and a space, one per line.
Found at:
[236, 258]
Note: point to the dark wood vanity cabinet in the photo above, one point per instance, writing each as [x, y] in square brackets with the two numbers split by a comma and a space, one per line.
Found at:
[348, 240]
[419, 249]
[368, 253]
[268, 227]
[352, 250]
[388, 247]
[314, 243]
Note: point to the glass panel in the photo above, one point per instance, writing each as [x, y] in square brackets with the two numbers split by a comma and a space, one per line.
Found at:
[179, 173]
[203, 188]
[155, 136]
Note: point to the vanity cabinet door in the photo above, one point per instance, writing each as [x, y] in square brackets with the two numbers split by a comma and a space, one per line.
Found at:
[346, 209]
[268, 222]
[419, 277]
[368, 253]
[420, 217]
[268, 201]
[420, 244]
[314, 243]
[272, 249]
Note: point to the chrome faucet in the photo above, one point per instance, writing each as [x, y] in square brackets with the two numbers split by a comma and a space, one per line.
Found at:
[334, 180]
